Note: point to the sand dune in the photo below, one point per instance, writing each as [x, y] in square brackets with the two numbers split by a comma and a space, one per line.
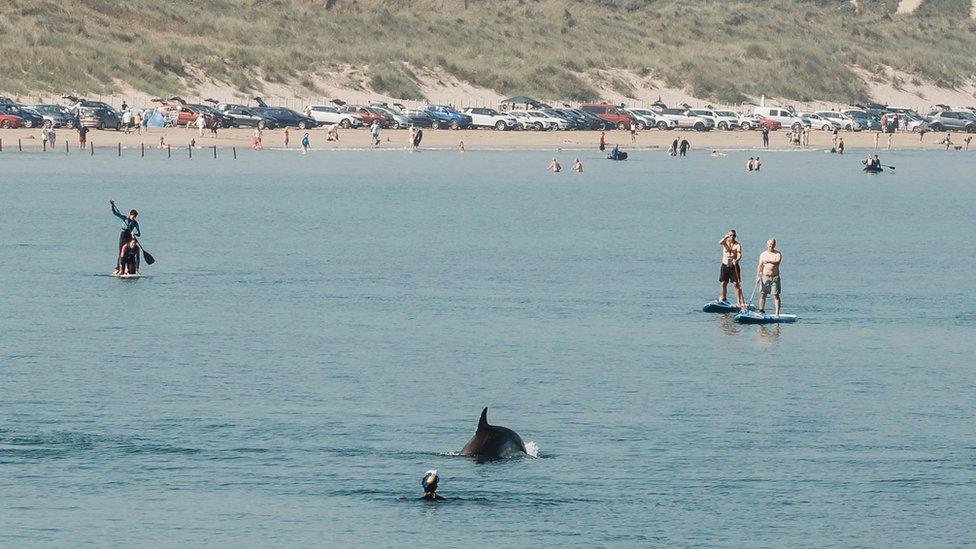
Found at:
[908, 6]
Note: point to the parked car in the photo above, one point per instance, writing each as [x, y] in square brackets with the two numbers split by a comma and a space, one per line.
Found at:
[611, 114]
[238, 116]
[952, 121]
[58, 116]
[422, 118]
[286, 118]
[565, 121]
[643, 118]
[683, 118]
[550, 121]
[756, 122]
[484, 117]
[328, 114]
[785, 116]
[10, 120]
[29, 119]
[817, 122]
[575, 118]
[844, 121]
[724, 120]
[365, 114]
[395, 119]
[530, 120]
[179, 114]
[594, 122]
[100, 118]
[866, 120]
[458, 121]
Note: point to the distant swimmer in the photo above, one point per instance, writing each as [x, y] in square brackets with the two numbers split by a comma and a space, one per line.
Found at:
[130, 228]
[429, 483]
[767, 275]
[554, 166]
[730, 271]
[461, 146]
[717, 153]
[751, 164]
[757, 165]
[577, 166]
[129, 258]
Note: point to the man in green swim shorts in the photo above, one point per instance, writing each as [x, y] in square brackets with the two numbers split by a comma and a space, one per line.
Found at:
[767, 275]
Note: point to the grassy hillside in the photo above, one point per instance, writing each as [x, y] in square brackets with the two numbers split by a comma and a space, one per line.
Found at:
[722, 50]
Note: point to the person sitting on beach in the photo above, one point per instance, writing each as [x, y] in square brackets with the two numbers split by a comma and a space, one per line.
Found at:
[129, 258]
[429, 484]
[578, 166]
[162, 143]
[333, 133]
[554, 166]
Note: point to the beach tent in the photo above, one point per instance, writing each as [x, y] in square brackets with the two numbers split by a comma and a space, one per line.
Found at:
[154, 119]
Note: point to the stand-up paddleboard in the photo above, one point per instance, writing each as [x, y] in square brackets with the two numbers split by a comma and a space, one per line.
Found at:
[137, 275]
[873, 170]
[755, 317]
[717, 306]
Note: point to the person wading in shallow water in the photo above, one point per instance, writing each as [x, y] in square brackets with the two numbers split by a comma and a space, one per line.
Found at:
[429, 483]
[130, 228]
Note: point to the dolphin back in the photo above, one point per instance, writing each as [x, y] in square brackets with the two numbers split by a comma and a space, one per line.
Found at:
[492, 441]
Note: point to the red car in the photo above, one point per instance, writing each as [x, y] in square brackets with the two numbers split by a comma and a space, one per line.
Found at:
[181, 115]
[10, 121]
[763, 122]
[611, 114]
[367, 114]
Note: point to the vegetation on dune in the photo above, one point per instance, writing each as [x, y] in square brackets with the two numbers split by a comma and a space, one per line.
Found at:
[726, 51]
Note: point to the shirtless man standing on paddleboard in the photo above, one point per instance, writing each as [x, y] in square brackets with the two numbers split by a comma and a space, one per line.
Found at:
[731, 254]
[767, 275]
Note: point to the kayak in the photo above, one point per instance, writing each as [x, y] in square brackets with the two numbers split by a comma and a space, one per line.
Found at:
[755, 317]
[873, 170]
[621, 156]
[716, 306]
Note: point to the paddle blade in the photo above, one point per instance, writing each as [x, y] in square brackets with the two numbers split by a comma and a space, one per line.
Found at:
[149, 258]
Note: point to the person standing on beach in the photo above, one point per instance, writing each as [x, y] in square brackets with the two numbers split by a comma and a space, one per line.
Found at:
[214, 126]
[126, 122]
[765, 137]
[889, 140]
[683, 148]
[461, 146]
[201, 124]
[767, 275]
[44, 137]
[967, 140]
[305, 143]
[633, 134]
[82, 136]
[840, 146]
[284, 137]
[137, 122]
[410, 137]
[835, 137]
[603, 141]
[877, 139]
[374, 132]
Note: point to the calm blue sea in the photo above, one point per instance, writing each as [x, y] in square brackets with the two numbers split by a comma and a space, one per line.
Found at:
[318, 331]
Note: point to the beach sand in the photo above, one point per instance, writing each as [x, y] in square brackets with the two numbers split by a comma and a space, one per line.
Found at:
[179, 138]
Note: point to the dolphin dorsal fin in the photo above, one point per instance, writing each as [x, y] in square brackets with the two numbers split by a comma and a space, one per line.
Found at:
[483, 422]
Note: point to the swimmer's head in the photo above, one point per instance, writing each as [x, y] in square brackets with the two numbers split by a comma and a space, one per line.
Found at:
[429, 482]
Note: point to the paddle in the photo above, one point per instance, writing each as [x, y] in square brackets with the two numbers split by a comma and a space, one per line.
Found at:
[149, 258]
[752, 295]
[889, 167]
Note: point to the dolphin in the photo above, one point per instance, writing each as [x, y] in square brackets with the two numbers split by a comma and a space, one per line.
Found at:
[493, 442]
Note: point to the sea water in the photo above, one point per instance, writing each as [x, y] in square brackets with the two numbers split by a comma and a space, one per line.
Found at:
[318, 331]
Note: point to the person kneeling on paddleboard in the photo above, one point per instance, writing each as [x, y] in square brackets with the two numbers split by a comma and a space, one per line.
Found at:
[129, 258]
[767, 275]
[130, 227]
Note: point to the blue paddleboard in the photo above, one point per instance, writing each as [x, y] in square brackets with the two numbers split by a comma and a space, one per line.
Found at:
[755, 317]
[717, 306]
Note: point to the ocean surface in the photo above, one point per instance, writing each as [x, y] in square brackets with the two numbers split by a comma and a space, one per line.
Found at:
[318, 331]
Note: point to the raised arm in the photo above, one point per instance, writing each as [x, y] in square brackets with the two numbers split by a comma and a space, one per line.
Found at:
[115, 210]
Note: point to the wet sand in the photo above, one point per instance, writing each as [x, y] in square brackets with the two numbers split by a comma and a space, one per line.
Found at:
[176, 138]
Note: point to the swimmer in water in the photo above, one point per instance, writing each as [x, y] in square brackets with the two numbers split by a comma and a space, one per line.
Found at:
[554, 166]
[429, 482]
[578, 166]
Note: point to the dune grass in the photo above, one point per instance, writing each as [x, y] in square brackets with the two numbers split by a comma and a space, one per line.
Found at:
[726, 51]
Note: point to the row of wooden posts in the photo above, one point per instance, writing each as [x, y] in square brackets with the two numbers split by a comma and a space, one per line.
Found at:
[169, 149]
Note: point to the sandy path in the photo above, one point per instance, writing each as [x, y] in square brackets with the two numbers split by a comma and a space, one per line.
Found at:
[107, 142]
[908, 6]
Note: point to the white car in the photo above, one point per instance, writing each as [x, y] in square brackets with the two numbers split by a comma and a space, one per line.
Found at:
[552, 122]
[818, 122]
[327, 114]
[682, 118]
[645, 118]
[530, 120]
[483, 117]
[786, 117]
[723, 120]
[843, 120]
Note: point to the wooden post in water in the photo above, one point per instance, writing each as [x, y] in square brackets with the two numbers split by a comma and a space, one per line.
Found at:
[215, 151]
[169, 153]
[120, 149]
[189, 151]
[92, 143]
[44, 146]
[143, 149]
[235, 152]
[1, 145]
[20, 147]
[65, 146]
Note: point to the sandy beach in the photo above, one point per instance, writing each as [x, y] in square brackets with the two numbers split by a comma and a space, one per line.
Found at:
[180, 138]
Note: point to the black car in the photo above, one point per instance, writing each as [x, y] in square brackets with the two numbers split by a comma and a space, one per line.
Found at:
[286, 117]
[592, 121]
[32, 119]
[420, 118]
[237, 116]
[58, 116]
[209, 114]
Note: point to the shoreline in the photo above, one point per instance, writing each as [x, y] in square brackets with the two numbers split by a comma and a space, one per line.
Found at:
[14, 140]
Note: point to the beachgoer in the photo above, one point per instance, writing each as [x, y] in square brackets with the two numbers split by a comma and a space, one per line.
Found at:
[730, 271]
[767, 275]
[673, 150]
[130, 227]
[765, 137]
[256, 139]
[757, 165]
[884, 123]
[683, 148]
[429, 484]
[947, 140]
[124, 106]
[44, 133]
[967, 140]
[836, 137]
[410, 137]
[603, 141]
[285, 136]
[461, 146]
[201, 122]
[374, 132]
[162, 143]
[129, 258]
[840, 146]
[577, 166]
[305, 143]
[877, 139]
[214, 126]
[417, 139]
[137, 122]
[126, 122]
[921, 132]
[633, 134]
[82, 136]
[889, 140]
[554, 166]
[333, 134]
[614, 153]
[751, 164]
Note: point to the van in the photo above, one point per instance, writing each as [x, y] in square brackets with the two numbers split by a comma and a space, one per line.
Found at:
[786, 117]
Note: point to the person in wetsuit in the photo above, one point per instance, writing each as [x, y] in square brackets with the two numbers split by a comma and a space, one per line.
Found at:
[130, 227]
[429, 482]
[129, 258]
